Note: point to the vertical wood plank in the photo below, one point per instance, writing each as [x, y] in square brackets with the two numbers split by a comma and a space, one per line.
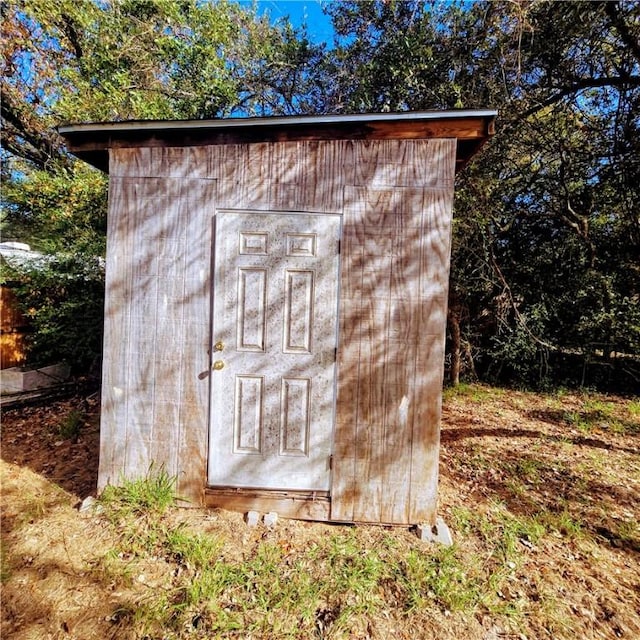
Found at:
[194, 398]
[344, 483]
[141, 348]
[169, 321]
[426, 431]
[113, 422]
[434, 275]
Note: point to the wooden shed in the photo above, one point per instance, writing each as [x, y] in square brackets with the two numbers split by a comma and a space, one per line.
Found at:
[276, 307]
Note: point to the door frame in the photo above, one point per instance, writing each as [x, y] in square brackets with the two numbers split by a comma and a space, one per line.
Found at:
[299, 504]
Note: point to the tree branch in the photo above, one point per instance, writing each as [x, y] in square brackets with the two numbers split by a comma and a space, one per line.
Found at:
[619, 82]
[27, 137]
[612, 9]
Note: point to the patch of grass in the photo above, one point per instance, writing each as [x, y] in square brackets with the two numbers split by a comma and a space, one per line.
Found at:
[192, 550]
[563, 522]
[135, 509]
[334, 588]
[576, 420]
[597, 414]
[440, 578]
[113, 568]
[528, 469]
[501, 531]
[149, 496]
[463, 520]
[474, 392]
[512, 531]
[5, 567]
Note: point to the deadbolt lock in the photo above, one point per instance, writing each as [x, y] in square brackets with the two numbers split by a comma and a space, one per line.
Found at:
[217, 365]
[218, 346]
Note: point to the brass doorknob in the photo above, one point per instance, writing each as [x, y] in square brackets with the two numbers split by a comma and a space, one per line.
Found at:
[218, 346]
[217, 365]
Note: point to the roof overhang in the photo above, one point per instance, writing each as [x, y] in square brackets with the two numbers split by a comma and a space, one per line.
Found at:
[91, 141]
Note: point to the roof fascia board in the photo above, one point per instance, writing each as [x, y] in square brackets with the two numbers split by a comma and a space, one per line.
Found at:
[92, 141]
[278, 121]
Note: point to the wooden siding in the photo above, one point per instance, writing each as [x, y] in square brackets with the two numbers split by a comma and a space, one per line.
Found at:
[395, 197]
[14, 329]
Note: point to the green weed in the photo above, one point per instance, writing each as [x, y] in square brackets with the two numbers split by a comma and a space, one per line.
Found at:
[462, 520]
[439, 577]
[5, 568]
[524, 469]
[511, 531]
[149, 496]
[475, 392]
[192, 550]
[605, 416]
[576, 420]
[69, 427]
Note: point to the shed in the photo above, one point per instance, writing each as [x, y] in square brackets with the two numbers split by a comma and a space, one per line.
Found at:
[276, 293]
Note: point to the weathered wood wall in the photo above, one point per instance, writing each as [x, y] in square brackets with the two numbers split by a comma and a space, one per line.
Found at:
[14, 329]
[396, 198]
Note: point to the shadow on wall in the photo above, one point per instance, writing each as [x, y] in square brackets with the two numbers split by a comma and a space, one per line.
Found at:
[395, 197]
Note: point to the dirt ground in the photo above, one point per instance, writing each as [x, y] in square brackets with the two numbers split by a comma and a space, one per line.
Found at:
[567, 462]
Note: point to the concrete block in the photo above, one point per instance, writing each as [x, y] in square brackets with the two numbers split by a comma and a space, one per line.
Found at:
[270, 519]
[18, 379]
[439, 533]
[252, 518]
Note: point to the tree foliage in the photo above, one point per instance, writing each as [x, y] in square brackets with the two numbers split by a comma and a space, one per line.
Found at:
[545, 268]
[62, 297]
[546, 237]
[142, 59]
[93, 60]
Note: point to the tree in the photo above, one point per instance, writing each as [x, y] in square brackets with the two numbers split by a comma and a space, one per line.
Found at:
[534, 273]
[119, 60]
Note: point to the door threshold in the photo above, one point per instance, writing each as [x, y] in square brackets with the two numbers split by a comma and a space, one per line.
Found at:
[298, 505]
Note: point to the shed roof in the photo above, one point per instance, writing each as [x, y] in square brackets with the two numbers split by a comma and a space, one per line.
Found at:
[91, 141]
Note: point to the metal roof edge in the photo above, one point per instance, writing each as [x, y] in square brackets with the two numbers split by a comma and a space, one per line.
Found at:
[227, 123]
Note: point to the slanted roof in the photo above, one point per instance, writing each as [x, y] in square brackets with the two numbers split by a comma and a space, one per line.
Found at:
[91, 141]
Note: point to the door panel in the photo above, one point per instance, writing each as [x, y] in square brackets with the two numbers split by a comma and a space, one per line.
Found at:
[275, 301]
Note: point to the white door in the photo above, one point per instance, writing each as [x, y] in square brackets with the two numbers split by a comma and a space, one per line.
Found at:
[275, 301]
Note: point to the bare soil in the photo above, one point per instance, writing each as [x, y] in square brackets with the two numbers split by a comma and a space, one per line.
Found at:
[569, 462]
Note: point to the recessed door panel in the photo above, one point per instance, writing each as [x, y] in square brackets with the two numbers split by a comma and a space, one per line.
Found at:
[299, 297]
[252, 312]
[248, 414]
[295, 416]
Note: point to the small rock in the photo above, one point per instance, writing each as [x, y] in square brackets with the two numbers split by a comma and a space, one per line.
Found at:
[90, 505]
[438, 533]
[270, 519]
[252, 518]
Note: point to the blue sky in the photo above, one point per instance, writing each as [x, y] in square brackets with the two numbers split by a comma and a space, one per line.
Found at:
[299, 11]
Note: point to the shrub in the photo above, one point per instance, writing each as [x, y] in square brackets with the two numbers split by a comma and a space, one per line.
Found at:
[63, 298]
